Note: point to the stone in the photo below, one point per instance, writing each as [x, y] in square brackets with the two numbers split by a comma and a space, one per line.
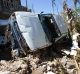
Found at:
[73, 52]
[24, 66]
[50, 72]
[38, 71]
[34, 65]
[48, 68]
[16, 65]
[66, 52]
[70, 71]
[3, 62]
[5, 72]
[64, 60]
[15, 54]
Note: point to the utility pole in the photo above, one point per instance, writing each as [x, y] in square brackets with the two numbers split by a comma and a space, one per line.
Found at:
[26, 5]
[53, 3]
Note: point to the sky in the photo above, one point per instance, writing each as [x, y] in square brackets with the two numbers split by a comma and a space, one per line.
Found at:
[45, 6]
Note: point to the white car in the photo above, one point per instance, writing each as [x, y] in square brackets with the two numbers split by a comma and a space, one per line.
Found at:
[35, 31]
[28, 31]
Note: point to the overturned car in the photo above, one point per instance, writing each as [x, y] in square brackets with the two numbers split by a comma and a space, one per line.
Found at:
[36, 31]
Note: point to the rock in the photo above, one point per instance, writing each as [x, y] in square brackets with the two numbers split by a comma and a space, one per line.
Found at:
[50, 72]
[38, 71]
[70, 71]
[16, 65]
[54, 63]
[50, 63]
[33, 64]
[64, 60]
[48, 68]
[5, 72]
[23, 71]
[14, 73]
[3, 62]
[44, 73]
[78, 49]
[36, 60]
[4, 65]
[73, 52]
[67, 52]
[15, 53]
[24, 66]
[44, 66]
[70, 65]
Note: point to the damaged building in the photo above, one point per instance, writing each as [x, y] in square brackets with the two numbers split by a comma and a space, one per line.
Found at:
[9, 6]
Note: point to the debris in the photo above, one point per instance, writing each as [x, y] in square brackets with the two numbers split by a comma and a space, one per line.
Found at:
[5, 72]
[70, 71]
[38, 71]
[15, 53]
[73, 52]
[50, 72]
[64, 60]
[48, 68]
[67, 52]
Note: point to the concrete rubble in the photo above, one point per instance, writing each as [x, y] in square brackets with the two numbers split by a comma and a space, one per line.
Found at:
[36, 65]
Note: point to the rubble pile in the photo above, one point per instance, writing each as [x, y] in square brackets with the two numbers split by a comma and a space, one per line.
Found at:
[41, 63]
[13, 67]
